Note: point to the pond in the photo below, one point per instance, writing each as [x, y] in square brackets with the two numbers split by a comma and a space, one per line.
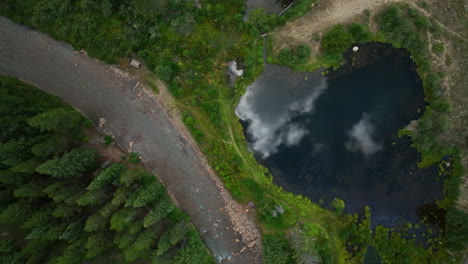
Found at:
[336, 136]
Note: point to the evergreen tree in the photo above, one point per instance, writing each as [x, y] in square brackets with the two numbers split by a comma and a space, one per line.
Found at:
[72, 163]
[177, 232]
[67, 219]
[158, 213]
[145, 194]
[56, 120]
[107, 177]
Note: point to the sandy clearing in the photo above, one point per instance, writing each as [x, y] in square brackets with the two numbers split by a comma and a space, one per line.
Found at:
[325, 14]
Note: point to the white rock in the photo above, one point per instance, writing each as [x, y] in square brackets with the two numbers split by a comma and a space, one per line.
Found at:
[355, 48]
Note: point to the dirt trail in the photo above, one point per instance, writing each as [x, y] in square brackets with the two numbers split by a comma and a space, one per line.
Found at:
[140, 122]
[327, 13]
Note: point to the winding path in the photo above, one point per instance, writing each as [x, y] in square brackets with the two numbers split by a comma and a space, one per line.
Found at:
[137, 119]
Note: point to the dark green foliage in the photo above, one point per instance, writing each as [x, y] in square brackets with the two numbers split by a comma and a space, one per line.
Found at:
[339, 205]
[336, 40]
[309, 245]
[394, 247]
[260, 20]
[276, 250]
[108, 140]
[49, 147]
[58, 212]
[73, 163]
[164, 244]
[360, 33]
[145, 194]
[158, 212]
[192, 252]
[56, 120]
[108, 176]
[184, 25]
[357, 233]
[150, 9]
[456, 229]
[10, 252]
[295, 57]
[438, 48]
[134, 157]
[404, 31]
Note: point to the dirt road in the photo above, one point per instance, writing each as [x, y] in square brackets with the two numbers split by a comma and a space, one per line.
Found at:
[119, 105]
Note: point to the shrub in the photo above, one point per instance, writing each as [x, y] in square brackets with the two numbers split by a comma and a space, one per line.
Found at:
[337, 40]
[438, 48]
[456, 229]
[276, 249]
[134, 157]
[108, 140]
[164, 72]
[295, 57]
[360, 33]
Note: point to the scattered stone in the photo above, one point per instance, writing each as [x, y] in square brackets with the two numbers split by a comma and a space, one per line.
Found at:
[102, 121]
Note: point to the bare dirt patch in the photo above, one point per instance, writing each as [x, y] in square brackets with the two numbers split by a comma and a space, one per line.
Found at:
[323, 15]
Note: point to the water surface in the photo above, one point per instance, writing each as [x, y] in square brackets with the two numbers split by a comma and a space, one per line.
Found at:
[336, 136]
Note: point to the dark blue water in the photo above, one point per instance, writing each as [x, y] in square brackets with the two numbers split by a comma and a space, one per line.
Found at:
[336, 136]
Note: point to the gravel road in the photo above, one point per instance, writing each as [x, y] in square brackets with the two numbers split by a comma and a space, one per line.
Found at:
[119, 105]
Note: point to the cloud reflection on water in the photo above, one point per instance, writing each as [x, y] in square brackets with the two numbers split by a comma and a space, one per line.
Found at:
[360, 137]
[269, 109]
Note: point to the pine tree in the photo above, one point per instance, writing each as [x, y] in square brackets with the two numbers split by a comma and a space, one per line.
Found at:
[107, 177]
[49, 147]
[131, 176]
[14, 152]
[121, 195]
[145, 193]
[56, 120]
[63, 210]
[10, 252]
[72, 163]
[164, 244]
[158, 213]
[16, 212]
[28, 166]
[63, 191]
[122, 218]
[177, 232]
[91, 198]
[31, 189]
[97, 244]
[95, 222]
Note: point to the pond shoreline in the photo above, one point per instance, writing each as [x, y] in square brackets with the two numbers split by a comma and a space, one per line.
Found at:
[282, 81]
